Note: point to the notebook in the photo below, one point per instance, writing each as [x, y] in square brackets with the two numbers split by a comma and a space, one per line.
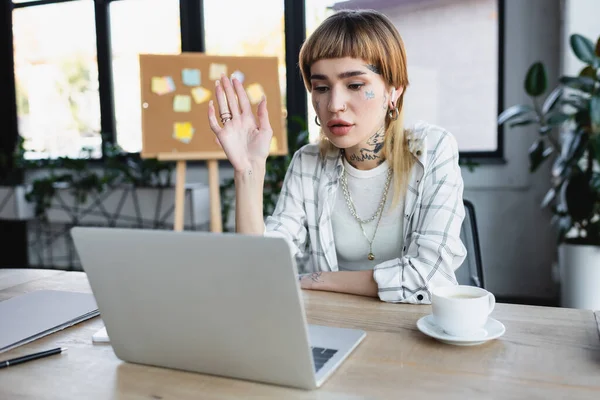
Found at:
[33, 315]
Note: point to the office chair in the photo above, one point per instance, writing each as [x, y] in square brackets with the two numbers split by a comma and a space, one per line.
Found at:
[471, 271]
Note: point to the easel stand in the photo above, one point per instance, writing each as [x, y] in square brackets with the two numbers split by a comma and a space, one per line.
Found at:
[213, 183]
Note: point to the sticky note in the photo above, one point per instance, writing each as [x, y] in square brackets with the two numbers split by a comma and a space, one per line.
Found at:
[239, 75]
[182, 103]
[162, 85]
[170, 83]
[201, 94]
[215, 71]
[255, 93]
[190, 77]
[183, 131]
[273, 146]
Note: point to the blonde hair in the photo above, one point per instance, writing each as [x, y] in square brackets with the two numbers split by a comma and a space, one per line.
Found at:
[371, 36]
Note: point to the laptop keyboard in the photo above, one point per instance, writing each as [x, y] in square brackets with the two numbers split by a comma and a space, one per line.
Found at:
[321, 355]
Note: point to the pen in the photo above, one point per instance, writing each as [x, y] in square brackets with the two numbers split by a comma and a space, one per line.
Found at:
[34, 356]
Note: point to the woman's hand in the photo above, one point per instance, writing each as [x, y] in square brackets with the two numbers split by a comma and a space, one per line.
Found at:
[245, 140]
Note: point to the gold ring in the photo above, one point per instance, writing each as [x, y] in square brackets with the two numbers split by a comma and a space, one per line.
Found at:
[226, 119]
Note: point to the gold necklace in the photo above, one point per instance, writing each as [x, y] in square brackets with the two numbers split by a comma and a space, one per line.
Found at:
[378, 212]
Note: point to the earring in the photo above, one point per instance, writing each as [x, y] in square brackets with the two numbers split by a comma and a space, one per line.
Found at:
[393, 114]
[317, 121]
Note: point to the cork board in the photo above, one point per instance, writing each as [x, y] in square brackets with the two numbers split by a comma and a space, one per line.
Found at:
[176, 90]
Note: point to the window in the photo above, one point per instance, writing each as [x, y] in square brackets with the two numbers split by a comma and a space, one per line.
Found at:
[158, 32]
[453, 72]
[316, 12]
[452, 52]
[56, 77]
[259, 30]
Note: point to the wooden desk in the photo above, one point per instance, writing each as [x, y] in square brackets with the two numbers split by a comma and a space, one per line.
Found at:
[546, 353]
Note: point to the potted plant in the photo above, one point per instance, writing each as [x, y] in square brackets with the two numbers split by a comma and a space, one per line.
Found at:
[568, 122]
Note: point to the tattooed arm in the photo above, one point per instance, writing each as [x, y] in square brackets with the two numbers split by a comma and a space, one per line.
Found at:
[353, 282]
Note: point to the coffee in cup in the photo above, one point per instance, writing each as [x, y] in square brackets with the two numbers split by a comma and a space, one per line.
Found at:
[461, 310]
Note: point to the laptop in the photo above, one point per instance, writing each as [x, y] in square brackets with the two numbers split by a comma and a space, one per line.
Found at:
[215, 303]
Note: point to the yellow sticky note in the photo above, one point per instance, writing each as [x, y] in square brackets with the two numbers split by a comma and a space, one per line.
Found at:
[162, 84]
[255, 93]
[183, 131]
[182, 103]
[273, 146]
[201, 94]
[215, 71]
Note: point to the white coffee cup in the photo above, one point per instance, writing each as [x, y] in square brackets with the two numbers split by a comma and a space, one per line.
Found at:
[461, 310]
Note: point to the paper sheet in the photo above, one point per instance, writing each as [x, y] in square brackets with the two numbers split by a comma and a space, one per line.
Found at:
[183, 131]
[273, 147]
[182, 103]
[239, 75]
[162, 85]
[255, 93]
[201, 94]
[191, 77]
[215, 70]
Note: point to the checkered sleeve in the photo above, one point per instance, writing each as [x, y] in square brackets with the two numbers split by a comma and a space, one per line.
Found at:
[434, 248]
[288, 220]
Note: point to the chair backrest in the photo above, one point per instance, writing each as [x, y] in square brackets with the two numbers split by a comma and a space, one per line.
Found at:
[471, 271]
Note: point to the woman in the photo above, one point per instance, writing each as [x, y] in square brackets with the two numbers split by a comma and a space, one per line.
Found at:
[373, 209]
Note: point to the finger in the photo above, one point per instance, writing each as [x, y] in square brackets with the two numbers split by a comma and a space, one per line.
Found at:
[221, 100]
[245, 106]
[231, 98]
[212, 118]
[263, 115]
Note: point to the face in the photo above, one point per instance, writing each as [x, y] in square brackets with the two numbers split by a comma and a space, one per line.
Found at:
[351, 101]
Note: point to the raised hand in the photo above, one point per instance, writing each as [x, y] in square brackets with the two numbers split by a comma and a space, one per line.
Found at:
[244, 138]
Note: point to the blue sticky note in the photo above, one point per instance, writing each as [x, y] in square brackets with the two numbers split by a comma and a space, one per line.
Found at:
[190, 77]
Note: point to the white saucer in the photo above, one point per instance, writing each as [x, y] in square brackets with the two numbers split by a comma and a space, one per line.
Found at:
[492, 329]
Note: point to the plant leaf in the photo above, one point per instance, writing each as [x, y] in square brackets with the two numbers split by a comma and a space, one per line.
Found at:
[595, 113]
[522, 122]
[588, 71]
[558, 118]
[583, 48]
[595, 182]
[598, 47]
[537, 154]
[548, 198]
[579, 197]
[596, 146]
[513, 112]
[564, 226]
[535, 80]
[551, 100]
[584, 83]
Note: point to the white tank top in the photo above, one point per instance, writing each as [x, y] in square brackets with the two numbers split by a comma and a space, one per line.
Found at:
[366, 190]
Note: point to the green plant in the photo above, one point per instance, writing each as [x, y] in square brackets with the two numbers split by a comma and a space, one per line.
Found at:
[276, 169]
[568, 121]
[77, 175]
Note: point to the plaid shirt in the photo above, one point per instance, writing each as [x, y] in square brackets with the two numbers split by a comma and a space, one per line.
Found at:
[433, 212]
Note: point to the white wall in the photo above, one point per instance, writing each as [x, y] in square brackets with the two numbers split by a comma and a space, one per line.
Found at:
[579, 16]
[517, 241]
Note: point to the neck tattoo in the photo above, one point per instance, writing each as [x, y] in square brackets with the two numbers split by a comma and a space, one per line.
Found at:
[371, 151]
